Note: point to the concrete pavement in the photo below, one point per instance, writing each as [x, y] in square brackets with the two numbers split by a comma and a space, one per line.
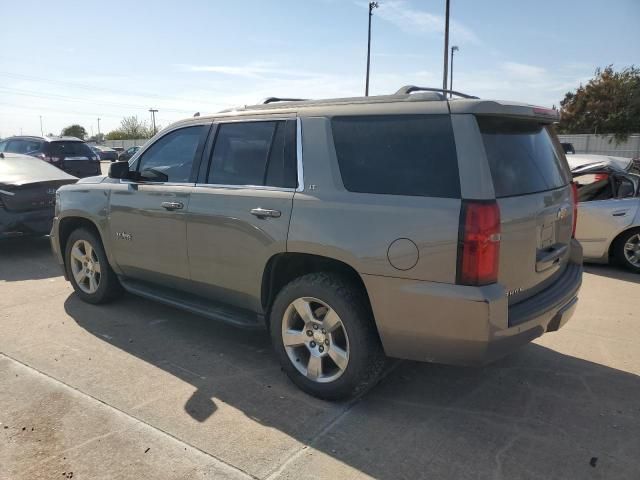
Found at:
[100, 385]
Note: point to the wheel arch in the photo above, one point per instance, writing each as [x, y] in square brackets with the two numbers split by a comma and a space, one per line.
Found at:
[67, 225]
[282, 268]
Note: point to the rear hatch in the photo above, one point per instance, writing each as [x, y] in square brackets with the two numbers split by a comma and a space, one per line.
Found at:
[74, 157]
[533, 189]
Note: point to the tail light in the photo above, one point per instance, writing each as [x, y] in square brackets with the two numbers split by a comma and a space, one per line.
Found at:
[479, 243]
[47, 158]
[574, 196]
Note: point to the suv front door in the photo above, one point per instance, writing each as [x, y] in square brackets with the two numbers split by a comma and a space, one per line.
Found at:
[240, 209]
[147, 217]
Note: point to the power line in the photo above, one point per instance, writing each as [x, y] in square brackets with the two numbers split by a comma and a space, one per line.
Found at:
[92, 87]
[66, 98]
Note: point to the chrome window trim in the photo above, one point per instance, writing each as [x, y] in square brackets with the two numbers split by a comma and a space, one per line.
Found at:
[299, 166]
[168, 184]
[299, 155]
[245, 187]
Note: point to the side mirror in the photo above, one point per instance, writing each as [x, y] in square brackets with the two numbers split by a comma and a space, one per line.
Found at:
[119, 170]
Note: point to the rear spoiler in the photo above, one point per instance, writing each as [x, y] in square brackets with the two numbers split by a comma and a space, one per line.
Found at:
[505, 109]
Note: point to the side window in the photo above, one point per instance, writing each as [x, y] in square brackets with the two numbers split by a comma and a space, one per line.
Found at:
[397, 155]
[3, 145]
[254, 153]
[171, 157]
[16, 146]
[23, 146]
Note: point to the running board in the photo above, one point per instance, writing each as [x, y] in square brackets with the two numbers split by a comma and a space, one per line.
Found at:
[191, 303]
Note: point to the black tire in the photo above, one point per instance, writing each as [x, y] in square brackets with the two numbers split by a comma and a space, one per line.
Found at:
[366, 356]
[619, 247]
[109, 286]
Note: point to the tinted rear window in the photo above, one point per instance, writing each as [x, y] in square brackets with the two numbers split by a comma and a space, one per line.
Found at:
[523, 156]
[397, 155]
[68, 149]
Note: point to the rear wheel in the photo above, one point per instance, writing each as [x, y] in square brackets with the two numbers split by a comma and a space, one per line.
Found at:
[322, 331]
[88, 269]
[626, 250]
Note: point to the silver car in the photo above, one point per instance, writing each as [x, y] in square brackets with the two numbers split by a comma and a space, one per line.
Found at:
[608, 224]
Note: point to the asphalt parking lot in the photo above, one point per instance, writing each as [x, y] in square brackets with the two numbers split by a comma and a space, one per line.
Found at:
[137, 390]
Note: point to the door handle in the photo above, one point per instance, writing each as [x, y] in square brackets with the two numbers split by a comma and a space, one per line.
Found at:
[619, 214]
[263, 212]
[172, 205]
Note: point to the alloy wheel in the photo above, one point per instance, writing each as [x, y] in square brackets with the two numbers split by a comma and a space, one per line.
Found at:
[632, 250]
[85, 266]
[315, 339]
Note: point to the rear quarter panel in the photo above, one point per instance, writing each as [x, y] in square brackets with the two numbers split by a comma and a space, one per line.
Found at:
[358, 229]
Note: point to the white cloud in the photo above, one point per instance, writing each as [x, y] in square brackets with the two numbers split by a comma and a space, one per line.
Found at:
[251, 70]
[522, 70]
[414, 21]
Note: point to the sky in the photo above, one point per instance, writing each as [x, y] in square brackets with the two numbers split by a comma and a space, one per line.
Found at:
[71, 62]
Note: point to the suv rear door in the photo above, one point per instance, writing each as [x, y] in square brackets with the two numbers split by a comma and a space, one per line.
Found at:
[147, 217]
[240, 208]
[531, 182]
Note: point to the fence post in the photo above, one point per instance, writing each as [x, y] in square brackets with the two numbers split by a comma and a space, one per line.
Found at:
[586, 147]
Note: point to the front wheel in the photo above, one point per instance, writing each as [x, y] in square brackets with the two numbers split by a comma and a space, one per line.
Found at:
[626, 250]
[324, 336]
[88, 269]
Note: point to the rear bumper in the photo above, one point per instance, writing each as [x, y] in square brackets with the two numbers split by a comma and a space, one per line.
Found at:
[33, 222]
[460, 325]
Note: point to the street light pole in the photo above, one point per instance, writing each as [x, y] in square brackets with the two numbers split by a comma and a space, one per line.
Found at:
[372, 5]
[153, 118]
[41, 129]
[446, 47]
[453, 49]
[98, 127]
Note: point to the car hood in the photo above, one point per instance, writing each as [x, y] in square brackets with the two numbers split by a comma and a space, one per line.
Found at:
[576, 161]
[16, 169]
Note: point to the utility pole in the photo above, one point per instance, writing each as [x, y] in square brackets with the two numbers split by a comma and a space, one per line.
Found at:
[98, 127]
[372, 5]
[153, 119]
[453, 49]
[41, 129]
[446, 47]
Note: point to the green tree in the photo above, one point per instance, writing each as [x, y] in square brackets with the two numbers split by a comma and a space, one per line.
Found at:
[74, 130]
[608, 104]
[130, 128]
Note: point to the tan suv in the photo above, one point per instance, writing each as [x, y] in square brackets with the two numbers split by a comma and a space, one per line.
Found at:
[407, 225]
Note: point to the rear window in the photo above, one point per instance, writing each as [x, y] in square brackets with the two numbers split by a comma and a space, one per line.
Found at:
[523, 156]
[70, 149]
[397, 155]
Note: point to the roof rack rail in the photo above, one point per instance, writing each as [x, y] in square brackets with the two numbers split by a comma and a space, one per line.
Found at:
[278, 99]
[412, 88]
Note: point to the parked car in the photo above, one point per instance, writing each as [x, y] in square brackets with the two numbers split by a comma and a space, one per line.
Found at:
[621, 163]
[67, 153]
[27, 194]
[609, 213]
[406, 225]
[105, 153]
[128, 153]
[118, 149]
[568, 147]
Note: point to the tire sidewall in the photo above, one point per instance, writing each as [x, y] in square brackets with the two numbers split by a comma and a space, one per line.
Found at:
[619, 253]
[102, 293]
[352, 316]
